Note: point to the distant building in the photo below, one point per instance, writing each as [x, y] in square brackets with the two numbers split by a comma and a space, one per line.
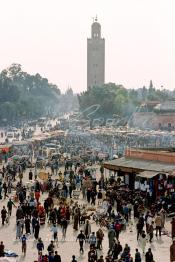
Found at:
[95, 57]
[155, 115]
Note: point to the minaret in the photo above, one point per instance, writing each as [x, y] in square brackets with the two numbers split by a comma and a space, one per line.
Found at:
[95, 57]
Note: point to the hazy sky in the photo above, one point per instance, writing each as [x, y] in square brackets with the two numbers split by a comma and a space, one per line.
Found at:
[50, 37]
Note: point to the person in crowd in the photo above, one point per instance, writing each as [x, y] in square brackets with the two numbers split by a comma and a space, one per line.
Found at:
[158, 223]
[101, 259]
[40, 257]
[93, 197]
[51, 257]
[92, 254]
[126, 212]
[76, 220]
[117, 229]
[173, 227]
[143, 241]
[139, 227]
[24, 244]
[45, 258]
[172, 251]
[87, 229]
[149, 256]
[137, 256]
[3, 215]
[40, 246]
[5, 188]
[116, 250]
[151, 231]
[111, 236]
[99, 197]
[81, 237]
[36, 229]
[19, 213]
[27, 224]
[37, 195]
[70, 190]
[54, 230]
[126, 252]
[57, 258]
[100, 236]
[30, 175]
[92, 239]
[163, 216]
[2, 247]
[18, 229]
[73, 259]
[10, 204]
[64, 225]
[51, 247]
[109, 209]
[0, 190]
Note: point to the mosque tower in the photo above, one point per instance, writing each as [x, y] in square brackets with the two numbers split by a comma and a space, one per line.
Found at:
[95, 56]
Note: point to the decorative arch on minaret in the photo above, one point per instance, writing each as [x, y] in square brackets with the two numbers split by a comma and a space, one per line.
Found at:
[96, 29]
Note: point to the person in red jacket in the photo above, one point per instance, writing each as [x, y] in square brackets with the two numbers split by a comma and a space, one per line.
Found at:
[37, 196]
[117, 229]
[45, 258]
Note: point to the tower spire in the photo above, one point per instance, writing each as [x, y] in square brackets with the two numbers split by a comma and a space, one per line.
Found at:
[95, 56]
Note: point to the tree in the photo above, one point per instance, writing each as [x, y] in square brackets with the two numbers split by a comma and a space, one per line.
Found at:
[109, 98]
[25, 95]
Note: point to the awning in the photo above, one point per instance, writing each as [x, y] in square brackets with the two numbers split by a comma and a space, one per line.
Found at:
[130, 165]
[172, 173]
[149, 174]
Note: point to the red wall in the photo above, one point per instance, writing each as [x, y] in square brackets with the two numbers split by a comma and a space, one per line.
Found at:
[161, 156]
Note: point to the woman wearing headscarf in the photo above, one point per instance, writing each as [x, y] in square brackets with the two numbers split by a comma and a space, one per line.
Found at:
[142, 241]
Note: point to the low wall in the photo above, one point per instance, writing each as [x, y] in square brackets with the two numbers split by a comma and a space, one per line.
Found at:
[162, 156]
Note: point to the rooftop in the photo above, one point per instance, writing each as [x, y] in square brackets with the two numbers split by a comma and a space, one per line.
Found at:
[165, 106]
[138, 165]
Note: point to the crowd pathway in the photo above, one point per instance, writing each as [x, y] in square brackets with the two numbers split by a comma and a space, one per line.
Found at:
[68, 247]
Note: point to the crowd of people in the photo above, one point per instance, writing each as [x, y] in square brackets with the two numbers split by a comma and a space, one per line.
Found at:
[103, 202]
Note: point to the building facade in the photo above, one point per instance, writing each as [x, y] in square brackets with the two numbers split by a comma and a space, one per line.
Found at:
[155, 115]
[95, 57]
